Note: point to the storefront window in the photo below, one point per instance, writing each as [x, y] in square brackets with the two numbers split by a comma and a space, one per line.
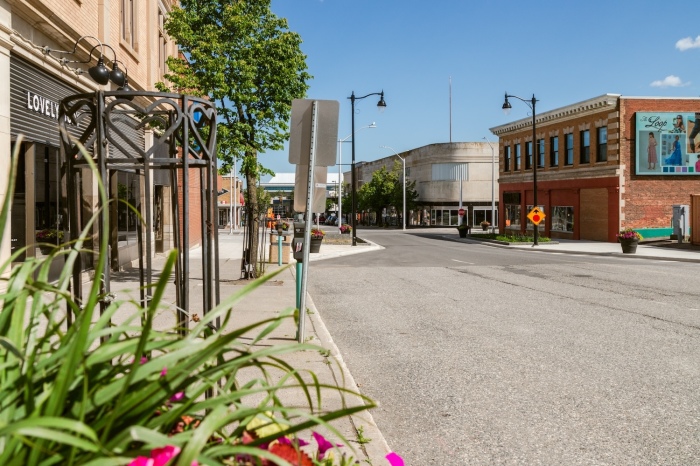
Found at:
[128, 190]
[562, 218]
[513, 216]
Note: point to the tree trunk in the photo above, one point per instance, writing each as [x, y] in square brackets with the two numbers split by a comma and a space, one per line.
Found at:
[253, 224]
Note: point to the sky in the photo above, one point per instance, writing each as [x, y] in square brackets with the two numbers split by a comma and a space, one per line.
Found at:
[561, 51]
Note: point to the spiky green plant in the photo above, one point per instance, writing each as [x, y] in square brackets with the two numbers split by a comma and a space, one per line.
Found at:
[98, 393]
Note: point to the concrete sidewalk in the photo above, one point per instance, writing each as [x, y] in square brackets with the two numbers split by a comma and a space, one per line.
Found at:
[267, 302]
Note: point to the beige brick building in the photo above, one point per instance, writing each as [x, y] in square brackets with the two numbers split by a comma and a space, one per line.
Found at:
[35, 76]
[596, 172]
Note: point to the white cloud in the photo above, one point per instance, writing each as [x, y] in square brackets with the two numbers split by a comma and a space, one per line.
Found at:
[688, 43]
[669, 81]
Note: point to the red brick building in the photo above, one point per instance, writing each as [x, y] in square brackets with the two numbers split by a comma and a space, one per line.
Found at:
[594, 166]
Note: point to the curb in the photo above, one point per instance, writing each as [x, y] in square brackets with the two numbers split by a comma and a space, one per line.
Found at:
[519, 246]
[377, 449]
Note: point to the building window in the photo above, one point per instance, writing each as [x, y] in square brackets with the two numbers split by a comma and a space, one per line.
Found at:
[562, 219]
[513, 216]
[540, 153]
[528, 155]
[569, 148]
[602, 153]
[450, 171]
[162, 40]
[585, 147]
[506, 158]
[554, 151]
[129, 23]
[517, 157]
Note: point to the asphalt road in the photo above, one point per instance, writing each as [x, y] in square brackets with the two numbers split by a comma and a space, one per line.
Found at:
[483, 355]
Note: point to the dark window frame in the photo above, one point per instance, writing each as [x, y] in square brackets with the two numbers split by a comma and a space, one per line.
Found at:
[585, 147]
[602, 140]
[528, 155]
[569, 149]
[554, 151]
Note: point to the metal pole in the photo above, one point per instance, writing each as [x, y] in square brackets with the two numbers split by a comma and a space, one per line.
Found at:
[534, 170]
[230, 182]
[340, 183]
[235, 198]
[404, 192]
[354, 172]
[493, 186]
[307, 229]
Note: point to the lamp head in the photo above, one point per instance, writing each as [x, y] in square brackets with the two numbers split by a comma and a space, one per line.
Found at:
[99, 73]
[373, 125]
[125, 88]
[117, 76]
[506, 106]
[381, 105]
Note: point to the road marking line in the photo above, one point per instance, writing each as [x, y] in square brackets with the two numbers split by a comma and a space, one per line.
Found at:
[463, 262]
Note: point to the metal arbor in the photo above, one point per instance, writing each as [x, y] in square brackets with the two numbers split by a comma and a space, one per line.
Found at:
[183, 129]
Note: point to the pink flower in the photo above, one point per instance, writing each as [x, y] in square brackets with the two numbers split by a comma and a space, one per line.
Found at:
[323, 444]
[161, 456]
[144, 359]
[141, 461]
[287, 441]
[164, 372]
[394, 459]
[179, 396]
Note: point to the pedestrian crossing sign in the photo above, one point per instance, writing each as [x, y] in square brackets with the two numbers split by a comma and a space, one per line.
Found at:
[536, 215]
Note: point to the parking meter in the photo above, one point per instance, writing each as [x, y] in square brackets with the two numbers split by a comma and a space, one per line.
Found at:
[298, 241]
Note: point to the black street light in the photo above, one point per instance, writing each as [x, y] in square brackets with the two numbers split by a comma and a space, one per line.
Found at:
[381, 105]
[530, 103]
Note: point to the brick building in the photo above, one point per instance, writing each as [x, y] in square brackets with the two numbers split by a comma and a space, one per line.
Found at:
[595, 171]
[46, 49]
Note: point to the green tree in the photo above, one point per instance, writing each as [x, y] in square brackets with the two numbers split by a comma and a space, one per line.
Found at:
[385, 190]
[377, 194]
[247, 61]
[397, 194]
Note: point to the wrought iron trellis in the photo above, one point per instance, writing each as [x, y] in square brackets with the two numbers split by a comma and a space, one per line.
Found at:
[104, 123]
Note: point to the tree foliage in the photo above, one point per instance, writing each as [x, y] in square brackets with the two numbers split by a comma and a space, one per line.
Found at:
[243, 57]
[385, 190]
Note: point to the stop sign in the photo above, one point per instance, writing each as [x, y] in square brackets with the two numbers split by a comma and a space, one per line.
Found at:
[461, 212]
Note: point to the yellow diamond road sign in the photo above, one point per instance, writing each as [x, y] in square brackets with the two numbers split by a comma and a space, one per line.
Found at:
[536, 215]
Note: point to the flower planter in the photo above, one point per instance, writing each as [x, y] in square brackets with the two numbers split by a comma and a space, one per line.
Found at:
[629, 246]
[485, 227]
[347, 232]
[315, 245]
[46, 250]
[462, 232]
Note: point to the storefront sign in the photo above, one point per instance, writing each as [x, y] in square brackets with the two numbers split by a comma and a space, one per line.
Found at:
[668, 143]
[42, 105]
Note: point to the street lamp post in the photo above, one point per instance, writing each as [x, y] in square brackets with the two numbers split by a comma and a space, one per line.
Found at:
[530, 103]
[340, 176]
[403, 161]
[493, 185]
[381, 105]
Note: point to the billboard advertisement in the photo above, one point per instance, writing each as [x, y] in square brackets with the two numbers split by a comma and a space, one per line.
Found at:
[668, 143]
